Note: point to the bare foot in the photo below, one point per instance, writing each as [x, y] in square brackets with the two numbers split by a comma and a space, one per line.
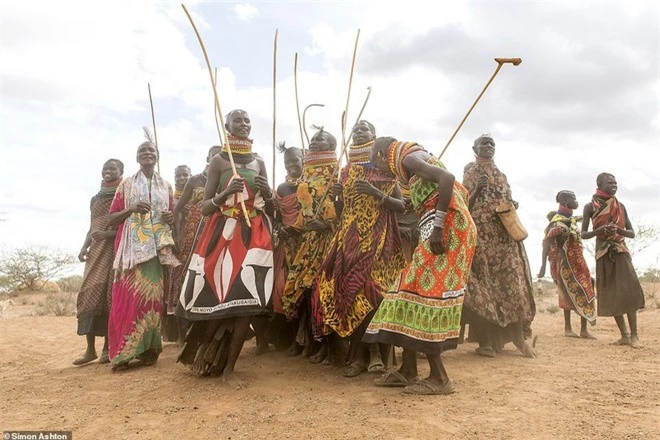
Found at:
[625, 340]
[86, 358]
[586, 335]
[320, 355]
[104, 358]
[634, 341]
[570, 334]
[295, 350]
[261, 349]
[233, 381]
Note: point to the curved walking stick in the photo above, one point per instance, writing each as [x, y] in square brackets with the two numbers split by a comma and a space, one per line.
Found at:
[304, 124]
[224, 137]
[500, 62]
[295, 85]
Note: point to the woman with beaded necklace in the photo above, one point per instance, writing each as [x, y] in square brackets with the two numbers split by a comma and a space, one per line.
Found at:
[365, 257]
[229, 276]
[93, 304]
[424, 313]
[316, 223]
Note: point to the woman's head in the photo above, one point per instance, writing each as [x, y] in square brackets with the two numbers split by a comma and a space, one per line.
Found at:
[484, 146]
[181, 175]
[323, 141]
[567, 198]
[238, 123]
[212, 152]
[293, 160]
[363, 132]
[113, 169]
[380, 153]
[147, 154]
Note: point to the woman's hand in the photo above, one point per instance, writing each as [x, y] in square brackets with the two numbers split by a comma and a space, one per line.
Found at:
[82, 256]
[237, 185]
[167, 217]
[336, 190]
[141, 207]
[317, 225]
[436, 241]
[262, 185]
[366, 188]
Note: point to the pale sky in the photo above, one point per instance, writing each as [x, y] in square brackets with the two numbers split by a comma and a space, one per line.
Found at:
[74, 76]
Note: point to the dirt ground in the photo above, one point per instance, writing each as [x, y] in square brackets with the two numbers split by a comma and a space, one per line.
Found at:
[576, 389]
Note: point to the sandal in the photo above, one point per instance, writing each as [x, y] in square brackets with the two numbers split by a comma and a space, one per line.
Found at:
[393, 379]
[427, 388]
[123, 366]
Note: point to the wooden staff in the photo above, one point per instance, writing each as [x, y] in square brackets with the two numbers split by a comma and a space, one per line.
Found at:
[348, 97]
[274, 101]
[295, 85]
[350, 137]
[219, 109]
[327, 191]
[500, 62]
[303, 121]
[153, 121]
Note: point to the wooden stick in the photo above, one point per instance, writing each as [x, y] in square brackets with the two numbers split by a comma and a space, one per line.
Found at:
[153, 120]
[295, 85]
[348, 96]
[500, 62]
[274, 102]
[350, 137]
[219, 109]
[215, 109]
[304, 124]
[344, 150]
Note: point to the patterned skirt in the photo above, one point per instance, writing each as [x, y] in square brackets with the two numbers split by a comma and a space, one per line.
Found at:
[424, 314]
[134, 324]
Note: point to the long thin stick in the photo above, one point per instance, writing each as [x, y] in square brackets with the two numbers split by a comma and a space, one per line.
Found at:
[222, 122]
[304, 124]
[348, 96]
[274, 101]
[500, 62]
[350, 137]
[153, 120]
[327, 190]
[295, 85]
[215, 108]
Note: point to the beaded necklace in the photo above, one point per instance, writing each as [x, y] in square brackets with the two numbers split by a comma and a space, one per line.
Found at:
[360, 154]
[239, 146]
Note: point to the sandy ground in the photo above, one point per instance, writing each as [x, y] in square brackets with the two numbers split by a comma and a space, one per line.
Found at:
[576, 389]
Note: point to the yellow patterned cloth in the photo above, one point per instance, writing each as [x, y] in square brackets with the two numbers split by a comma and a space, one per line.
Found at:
[364, 260]
[317, 176]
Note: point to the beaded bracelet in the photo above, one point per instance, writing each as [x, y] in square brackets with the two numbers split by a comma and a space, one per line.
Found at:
[439, 221]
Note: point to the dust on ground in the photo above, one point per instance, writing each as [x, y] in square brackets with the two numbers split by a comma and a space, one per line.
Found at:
[576, 389]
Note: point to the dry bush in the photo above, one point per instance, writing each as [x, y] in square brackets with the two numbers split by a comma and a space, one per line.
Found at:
[58, 304]
[71, 283]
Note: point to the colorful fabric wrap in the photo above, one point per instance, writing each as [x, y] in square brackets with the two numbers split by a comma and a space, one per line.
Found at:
[145, 236]
[607, 209]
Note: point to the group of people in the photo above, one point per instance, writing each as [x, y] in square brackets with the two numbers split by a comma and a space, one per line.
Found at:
[335, 265]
